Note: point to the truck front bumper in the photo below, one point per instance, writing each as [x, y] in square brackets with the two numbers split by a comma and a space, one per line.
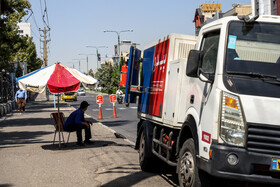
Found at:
[251, 167]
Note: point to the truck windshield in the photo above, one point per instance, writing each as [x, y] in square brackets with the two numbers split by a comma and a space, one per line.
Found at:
[253, 49]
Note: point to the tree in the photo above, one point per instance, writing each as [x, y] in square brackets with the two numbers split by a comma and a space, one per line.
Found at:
[12, 46]
[18, 70]
[27, 53]
[109, 76]
[90, 72]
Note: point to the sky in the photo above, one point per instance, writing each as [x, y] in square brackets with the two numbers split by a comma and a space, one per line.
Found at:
[77, 24]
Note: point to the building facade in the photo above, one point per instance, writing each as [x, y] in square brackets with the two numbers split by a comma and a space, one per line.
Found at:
[266, 7]
[124, 49]
[204, 13]
[207, 13]
[24, 29]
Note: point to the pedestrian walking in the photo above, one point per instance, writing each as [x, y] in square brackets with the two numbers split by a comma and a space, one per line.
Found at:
[20, 98]
[76, 122]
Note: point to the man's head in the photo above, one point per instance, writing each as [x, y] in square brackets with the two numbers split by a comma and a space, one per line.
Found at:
[84, 105]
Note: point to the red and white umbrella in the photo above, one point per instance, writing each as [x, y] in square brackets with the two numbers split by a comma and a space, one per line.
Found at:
[59, 79]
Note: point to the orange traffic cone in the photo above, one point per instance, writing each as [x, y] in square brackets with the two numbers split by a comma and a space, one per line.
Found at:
[114, 111]
[100, 113]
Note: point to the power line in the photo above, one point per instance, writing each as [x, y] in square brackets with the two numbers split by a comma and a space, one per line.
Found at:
[47, 13]
[31, 28]
[35, 35]
[34, 19]
[41, 8]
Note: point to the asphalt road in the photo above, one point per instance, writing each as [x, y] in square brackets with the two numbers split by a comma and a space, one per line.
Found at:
[126, 121]
[126, 124]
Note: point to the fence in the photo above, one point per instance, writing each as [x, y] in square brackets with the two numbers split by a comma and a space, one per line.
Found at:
[7, 92]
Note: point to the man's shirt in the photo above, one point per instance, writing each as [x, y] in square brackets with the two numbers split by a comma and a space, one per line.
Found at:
[119, 92]
[21, 94]
[76, 117]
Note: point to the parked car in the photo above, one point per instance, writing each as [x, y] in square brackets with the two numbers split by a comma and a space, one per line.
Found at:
[69, 96]
[81, 92]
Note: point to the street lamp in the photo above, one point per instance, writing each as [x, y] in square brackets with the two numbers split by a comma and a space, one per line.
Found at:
[97, 47]
[73, 66]
[118, 33]
[87, 58]
[79, 62]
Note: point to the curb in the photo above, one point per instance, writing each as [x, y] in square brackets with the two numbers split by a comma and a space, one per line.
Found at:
[114, 132]
[108, 128]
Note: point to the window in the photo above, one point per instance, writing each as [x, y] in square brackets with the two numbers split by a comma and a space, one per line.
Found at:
[20, 31]
[209, 49]
[274, 4]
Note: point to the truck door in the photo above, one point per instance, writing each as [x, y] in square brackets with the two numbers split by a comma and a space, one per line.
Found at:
[132, 82]
[209, 49]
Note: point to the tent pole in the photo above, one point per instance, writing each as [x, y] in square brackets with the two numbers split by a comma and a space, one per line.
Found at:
[58, 120]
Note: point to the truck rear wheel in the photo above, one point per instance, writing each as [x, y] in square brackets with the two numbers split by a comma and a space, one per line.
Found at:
[146, 157]
[188, 173]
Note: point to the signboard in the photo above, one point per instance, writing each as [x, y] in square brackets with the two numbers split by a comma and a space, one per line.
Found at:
[99, 99]
[158, 78]
[113, 98]
[211, 7]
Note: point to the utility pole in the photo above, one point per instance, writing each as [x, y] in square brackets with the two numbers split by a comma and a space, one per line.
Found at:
[79, 62]
[118, 33]
[97, 59]
[87, 58]
[45, 55]
[45, 52]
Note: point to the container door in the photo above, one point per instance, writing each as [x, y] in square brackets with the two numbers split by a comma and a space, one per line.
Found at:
[132, 82]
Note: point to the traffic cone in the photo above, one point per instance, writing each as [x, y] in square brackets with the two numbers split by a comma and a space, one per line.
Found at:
[100, 113]
[114, 111]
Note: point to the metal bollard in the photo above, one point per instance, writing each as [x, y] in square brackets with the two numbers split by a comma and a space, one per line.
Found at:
[1, 110]
[4, 109]
[8, 108]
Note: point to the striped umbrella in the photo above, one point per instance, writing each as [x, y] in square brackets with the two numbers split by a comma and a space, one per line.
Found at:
[59, 79]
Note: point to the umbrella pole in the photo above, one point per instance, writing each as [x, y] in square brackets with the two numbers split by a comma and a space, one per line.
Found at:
[58, 120]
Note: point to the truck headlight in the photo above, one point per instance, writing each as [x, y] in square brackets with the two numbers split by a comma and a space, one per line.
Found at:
[232, 124]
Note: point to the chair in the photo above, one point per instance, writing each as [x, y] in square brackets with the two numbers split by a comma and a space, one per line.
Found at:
[54, 117]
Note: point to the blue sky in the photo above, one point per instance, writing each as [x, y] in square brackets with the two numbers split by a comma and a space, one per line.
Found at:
[77, 24]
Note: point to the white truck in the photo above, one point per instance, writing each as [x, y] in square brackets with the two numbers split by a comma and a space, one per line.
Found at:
[213, 110]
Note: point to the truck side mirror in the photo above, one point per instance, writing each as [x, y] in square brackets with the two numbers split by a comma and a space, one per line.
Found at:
[193, 63]
[205, 77]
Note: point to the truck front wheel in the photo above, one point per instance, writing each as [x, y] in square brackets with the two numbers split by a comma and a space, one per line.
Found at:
[188, 172]
[145, 153]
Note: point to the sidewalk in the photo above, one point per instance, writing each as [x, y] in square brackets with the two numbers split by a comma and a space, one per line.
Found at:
[28, 158]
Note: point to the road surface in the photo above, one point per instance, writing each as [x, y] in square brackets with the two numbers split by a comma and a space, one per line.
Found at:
[126, 121]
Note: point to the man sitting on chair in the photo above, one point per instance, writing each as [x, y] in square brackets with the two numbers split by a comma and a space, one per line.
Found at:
[76, 122]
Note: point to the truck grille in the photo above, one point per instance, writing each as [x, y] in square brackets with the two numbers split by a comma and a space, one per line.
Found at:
[263, 139]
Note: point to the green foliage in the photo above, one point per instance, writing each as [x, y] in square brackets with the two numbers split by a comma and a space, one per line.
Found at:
[27, 53]
[18, 70]
[90, 72]
[109, 76]
[12, 46]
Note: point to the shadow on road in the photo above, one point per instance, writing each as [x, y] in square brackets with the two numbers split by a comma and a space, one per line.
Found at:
[134, 178]
[115, 123]
[72, 145]
[21, 138]
[25, 122]
[6, 185]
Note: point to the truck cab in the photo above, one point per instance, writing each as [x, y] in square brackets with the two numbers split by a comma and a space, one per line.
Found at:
[220, 104]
